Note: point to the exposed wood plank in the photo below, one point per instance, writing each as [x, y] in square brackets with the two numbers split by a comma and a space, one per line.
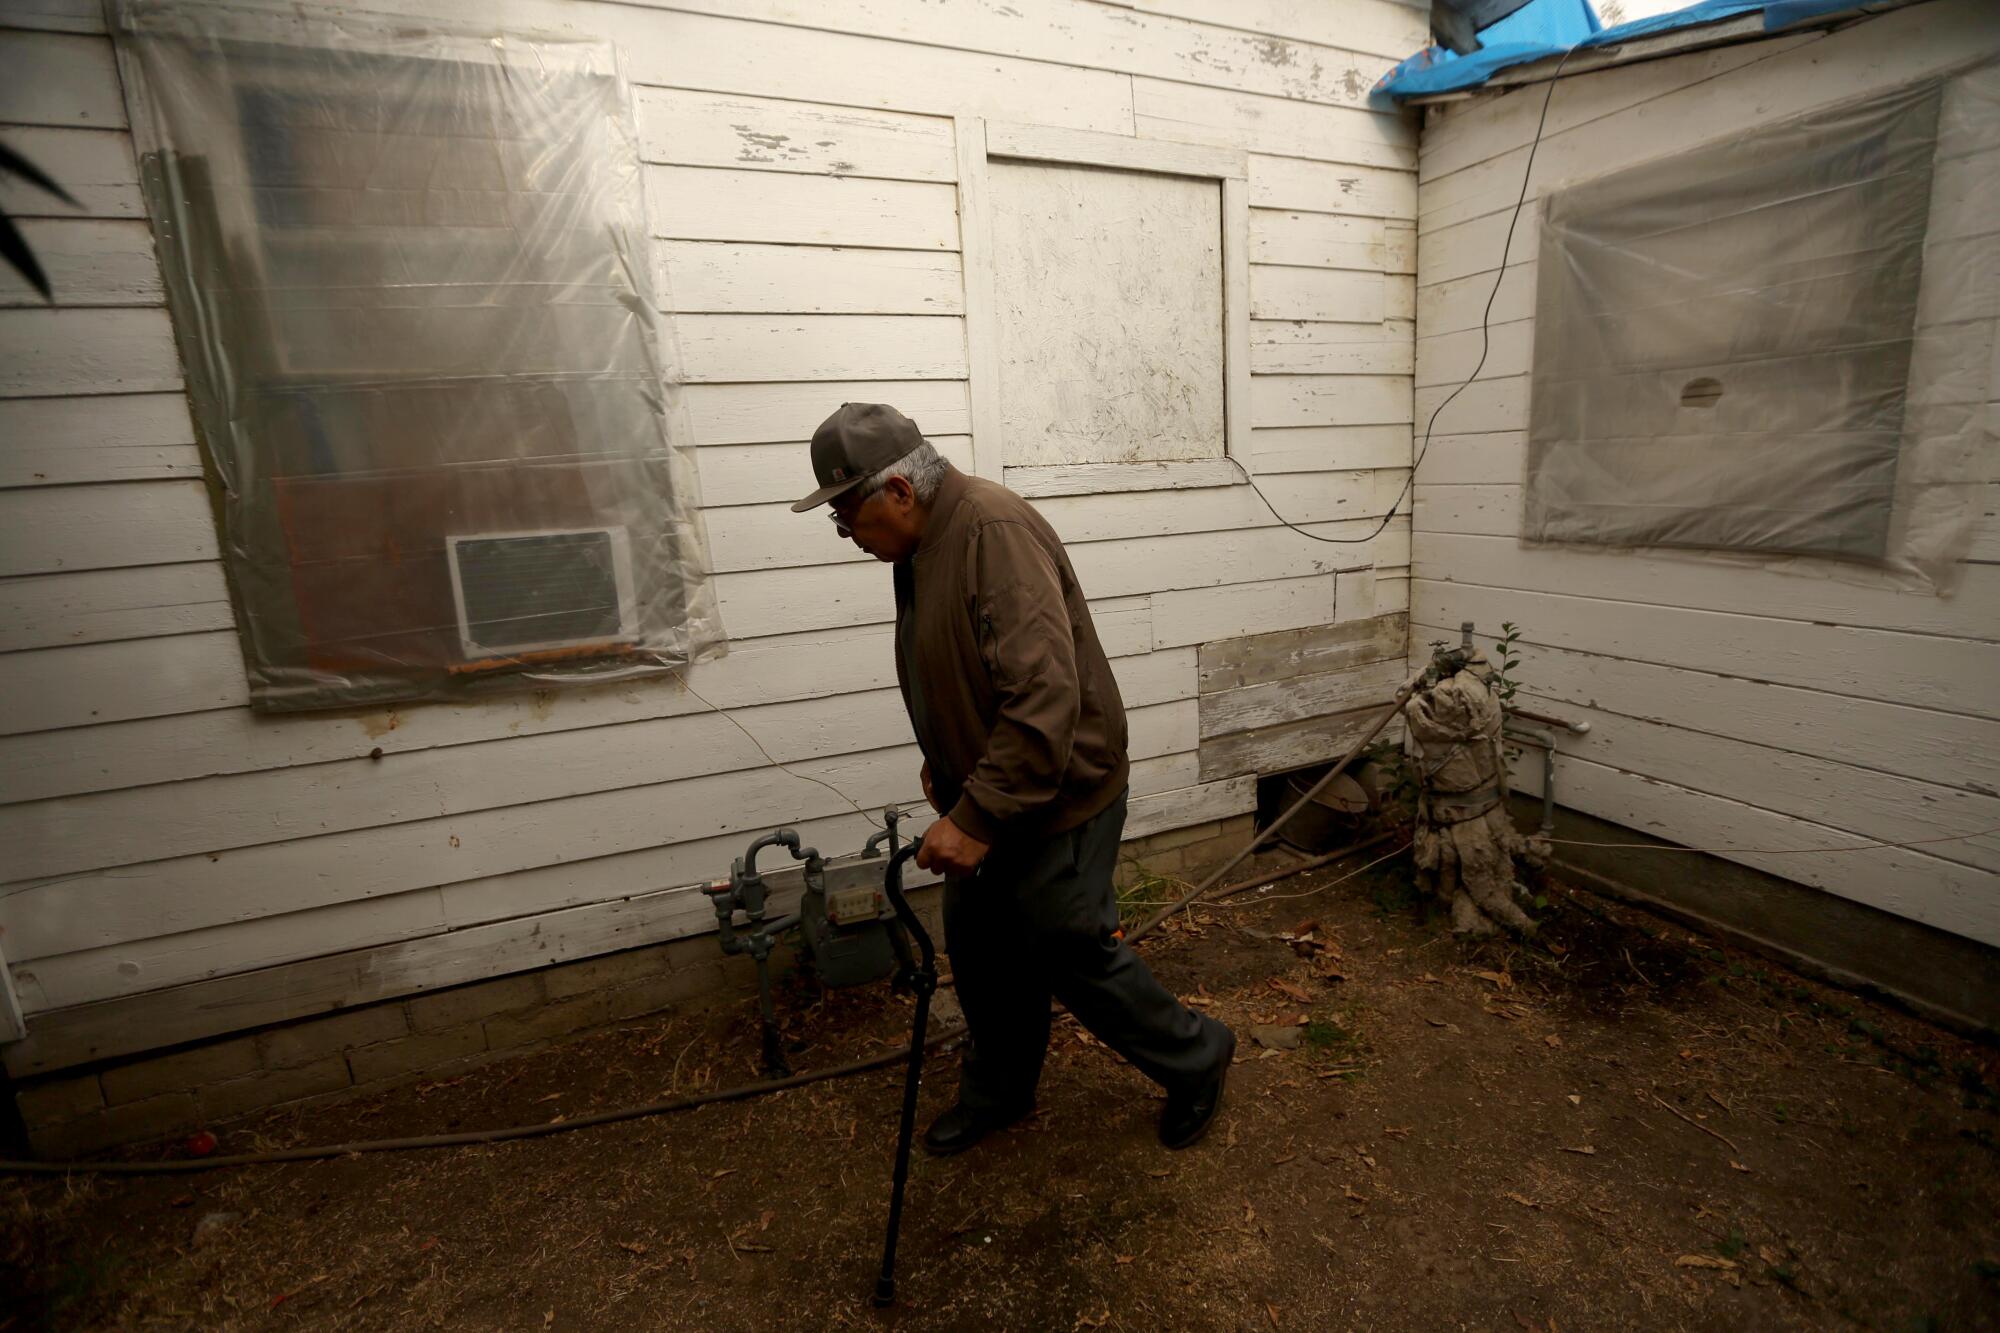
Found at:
[1099, 478]
[760, 348]
[49, 528]
[1290, 745]
[1295, 184]
[1189, 805]
[1264, 659]
[1330, 400]
[1042, 143]
[741, 474]
[1312, 448]
[698, 129]
[1648, 579]
[716, 277]
[1300, 347]
[1204, 615]
[88, 262]
[1959, 675]
[789, 412]
[1908, 882]
[46, 611]
[1254, 707]
[1075, 32]
[47, 353]
[97, 167]
[58, 79]
[982, 302]
[704, 204]
[129, 437]
[1190, 113]
[1379, 27]
[1334, 295]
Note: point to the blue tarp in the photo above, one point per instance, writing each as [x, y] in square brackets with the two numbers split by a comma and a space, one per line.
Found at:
[1549, 27]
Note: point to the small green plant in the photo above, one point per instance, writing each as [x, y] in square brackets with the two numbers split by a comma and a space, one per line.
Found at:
[1733, 1246]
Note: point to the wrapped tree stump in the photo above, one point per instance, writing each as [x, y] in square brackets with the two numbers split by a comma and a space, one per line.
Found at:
[1466, 843]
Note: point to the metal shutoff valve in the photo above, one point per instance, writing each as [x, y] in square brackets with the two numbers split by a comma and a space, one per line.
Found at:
[848, 936]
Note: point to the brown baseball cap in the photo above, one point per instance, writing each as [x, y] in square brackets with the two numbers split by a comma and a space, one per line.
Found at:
[853, 445]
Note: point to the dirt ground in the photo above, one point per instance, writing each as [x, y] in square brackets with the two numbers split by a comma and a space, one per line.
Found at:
[1620, 1125]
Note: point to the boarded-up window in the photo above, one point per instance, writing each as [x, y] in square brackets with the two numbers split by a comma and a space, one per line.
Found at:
[1723, 339]
[1110, 335]
[406, 267]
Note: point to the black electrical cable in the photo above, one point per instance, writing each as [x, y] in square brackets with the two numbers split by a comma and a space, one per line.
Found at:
[1485, 344]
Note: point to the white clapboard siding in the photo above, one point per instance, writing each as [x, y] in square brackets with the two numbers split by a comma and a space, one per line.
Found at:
[1202, 615]
[57, 837]
[1957, 675]
[772, 537]
[1323, 187]
[800, 168]
[1496, 352]
[1972, 612]
[1327, 294]
[1188, 113]
[1381, 27]
[98, 606]
[718, 277]
[1463, 303]
[45, 529]
[130, 437]
[1455, 141]
[1495, 457]
[703, 204]
[48, 353]
[87, 262]
[772, 601]
[97, 167]
[1314, 448]
[58, 79]
[1483, 405]
[1873, 735]
[1466, 510]
[1329, 400]
[788, 412]
[95, 907]
[56, 15]
[748, 474]
[1069, 31]
[1318, 240]
[1303, 347]
[678, 127]
[1466, 248]
[1887, 53]
[1908, 882]
[739, 349]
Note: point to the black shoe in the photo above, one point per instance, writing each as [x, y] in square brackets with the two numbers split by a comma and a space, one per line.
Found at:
[1189, 1114]
[962, 1126]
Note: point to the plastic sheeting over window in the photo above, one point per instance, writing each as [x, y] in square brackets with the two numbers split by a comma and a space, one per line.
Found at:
[1781, 344]
[407, 270]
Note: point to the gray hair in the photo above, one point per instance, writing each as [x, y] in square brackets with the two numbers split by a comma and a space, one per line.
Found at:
[922, 466]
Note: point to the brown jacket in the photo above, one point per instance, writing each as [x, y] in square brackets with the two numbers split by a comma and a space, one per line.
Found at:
[1007, 687]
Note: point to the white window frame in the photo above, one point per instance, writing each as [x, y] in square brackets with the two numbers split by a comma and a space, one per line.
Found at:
[980, 142]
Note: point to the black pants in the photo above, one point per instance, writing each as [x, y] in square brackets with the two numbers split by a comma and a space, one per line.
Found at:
[1041, 920]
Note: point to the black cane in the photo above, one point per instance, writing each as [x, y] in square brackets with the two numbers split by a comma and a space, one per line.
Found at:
[924, 981]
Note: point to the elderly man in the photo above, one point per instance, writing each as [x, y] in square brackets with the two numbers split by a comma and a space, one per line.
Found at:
[1023, 737]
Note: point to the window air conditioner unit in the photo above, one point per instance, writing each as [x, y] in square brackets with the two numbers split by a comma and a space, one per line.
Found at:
[542, 592]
